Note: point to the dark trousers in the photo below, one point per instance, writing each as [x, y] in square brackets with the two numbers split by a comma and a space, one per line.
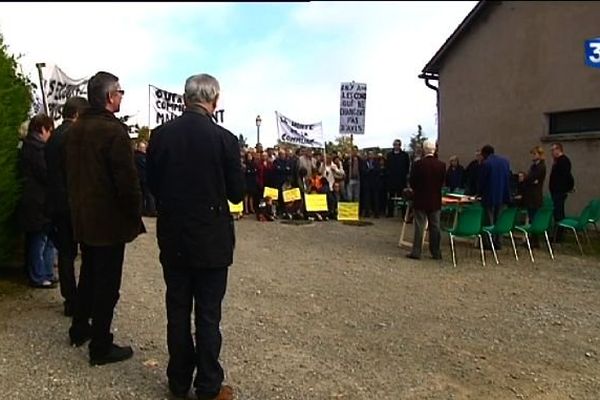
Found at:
[491, 216]
[558, 199]
[372, 199]
[67, 252]
[435, 236]
[98, 294]
[202, 289]
[149, 208]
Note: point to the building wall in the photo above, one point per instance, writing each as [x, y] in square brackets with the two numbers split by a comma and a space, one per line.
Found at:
[523, 60]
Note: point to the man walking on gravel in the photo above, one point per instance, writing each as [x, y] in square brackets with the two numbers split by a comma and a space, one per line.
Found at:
[193, 168]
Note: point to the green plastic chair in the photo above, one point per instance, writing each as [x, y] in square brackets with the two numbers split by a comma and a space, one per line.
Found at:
[504, 226]
[595, 214]
[540, 225]
[579, 224]
[548, 201]
[468, 226]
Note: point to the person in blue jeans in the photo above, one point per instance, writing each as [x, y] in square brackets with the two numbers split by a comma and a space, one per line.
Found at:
[40, 252]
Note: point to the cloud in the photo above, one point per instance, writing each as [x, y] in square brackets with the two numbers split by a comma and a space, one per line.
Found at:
[290, 58]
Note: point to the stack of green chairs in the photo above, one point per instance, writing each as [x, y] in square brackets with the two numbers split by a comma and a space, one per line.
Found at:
[595, 215]
[451, 208]
[539, 226]
[468, 226]
[504, 226]
[580, 223]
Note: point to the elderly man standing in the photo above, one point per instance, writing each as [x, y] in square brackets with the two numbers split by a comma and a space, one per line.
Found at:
[426, 180]
[194, 168]
[106, 205]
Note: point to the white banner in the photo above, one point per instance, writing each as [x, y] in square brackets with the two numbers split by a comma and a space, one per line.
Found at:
[307, 135]
[165, 106]
[353, 102]
[59, 87]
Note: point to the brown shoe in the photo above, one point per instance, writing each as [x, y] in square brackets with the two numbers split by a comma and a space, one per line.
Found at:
[226, 393]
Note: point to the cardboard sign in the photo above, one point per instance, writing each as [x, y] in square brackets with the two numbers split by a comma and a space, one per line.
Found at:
[272, 193]
[348, 211]
[291, 195]
[236, 208]
[316, 202]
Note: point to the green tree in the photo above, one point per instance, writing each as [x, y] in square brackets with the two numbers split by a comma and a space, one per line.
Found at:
[341, 144]
[243, 140]
[417, 140]
[15, 103]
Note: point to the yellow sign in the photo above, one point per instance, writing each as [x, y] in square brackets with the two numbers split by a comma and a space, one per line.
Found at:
[347, 211]
[315, 202]
[272, 193]
[291, 195]
[236, 208]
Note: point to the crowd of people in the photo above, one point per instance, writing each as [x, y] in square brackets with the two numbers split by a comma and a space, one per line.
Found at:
[85, 189]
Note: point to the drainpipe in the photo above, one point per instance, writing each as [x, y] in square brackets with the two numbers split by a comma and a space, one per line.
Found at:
[433, 77]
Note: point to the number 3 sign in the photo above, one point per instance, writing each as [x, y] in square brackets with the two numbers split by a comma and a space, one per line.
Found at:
[592, 52]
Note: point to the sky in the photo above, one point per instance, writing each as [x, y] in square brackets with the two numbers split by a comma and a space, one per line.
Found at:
[286, 57]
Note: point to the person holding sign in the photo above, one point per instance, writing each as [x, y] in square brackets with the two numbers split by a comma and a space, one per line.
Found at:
[195, 233]
[426, 181]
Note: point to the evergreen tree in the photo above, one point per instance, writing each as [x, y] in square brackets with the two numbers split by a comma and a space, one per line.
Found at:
[15, 103]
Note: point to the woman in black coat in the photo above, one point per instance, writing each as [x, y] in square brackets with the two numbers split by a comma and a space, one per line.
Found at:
[40, 252]
[533, 184]
[251, 173]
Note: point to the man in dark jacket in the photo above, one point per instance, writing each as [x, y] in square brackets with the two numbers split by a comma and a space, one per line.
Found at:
[561, 183]
[282, 171]
[148, 207]
[193, 169]
[472, 175]
[372, 185]
[106, 204]
[426, 180]
[494, 186]
[397, 165]
[58, 202]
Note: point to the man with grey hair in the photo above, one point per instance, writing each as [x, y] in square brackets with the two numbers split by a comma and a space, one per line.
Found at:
[193, 169]
[106, 204]
[426, 180]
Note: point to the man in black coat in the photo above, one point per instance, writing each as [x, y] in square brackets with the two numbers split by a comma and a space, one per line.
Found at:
[397, 165]
[149, 208]
[194, 168]
[426, 180]
[58, 202]
[561, 183]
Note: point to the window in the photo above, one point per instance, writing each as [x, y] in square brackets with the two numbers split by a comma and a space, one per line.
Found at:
[574, 122]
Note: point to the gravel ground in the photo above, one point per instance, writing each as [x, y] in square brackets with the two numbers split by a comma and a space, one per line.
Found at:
[329, 311]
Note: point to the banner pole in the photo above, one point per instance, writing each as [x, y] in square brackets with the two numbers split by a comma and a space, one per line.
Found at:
[39, 67]
[149, 94]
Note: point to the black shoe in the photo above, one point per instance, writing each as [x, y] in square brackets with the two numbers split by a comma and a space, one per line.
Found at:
[68, 309]
[79, 338]
[413, 257]
[437, 257]
[115, 354]
[177, 391]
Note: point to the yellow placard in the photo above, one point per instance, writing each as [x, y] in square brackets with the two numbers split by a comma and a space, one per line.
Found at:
[347, 211]
[236, 208]
[291, 195]
[272, 193]
[315, 202]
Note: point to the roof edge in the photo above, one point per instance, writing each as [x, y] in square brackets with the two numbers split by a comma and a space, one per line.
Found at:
[433, 66]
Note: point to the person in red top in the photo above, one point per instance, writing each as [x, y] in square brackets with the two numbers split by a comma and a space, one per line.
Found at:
[426, 180]
[265, 172]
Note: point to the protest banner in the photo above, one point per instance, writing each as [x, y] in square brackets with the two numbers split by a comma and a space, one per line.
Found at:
[236, 208]
[353, 101]
[291, 195]
[306, 135]
[271, 192]
[315, 202]
[163, 106]
[59, 87]
[348, 211]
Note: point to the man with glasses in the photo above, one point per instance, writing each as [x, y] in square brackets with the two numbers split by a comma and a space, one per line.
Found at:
[106, 205]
